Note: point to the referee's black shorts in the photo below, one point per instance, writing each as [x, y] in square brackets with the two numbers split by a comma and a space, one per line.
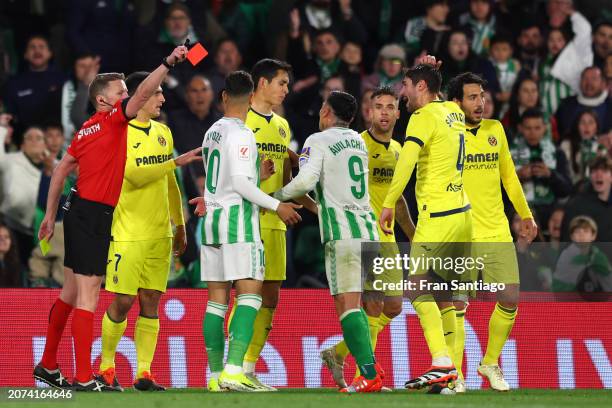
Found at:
[87, 236]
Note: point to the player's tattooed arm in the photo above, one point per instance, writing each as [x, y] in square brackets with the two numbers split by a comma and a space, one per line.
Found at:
[402, 216]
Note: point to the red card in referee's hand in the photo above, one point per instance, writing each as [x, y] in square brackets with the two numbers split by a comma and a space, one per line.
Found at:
[196, 54]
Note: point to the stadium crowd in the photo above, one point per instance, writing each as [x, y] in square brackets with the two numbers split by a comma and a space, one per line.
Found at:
[548, 65]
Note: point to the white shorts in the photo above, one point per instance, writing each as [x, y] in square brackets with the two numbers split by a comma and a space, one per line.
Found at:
[343, 265]
[231, 262]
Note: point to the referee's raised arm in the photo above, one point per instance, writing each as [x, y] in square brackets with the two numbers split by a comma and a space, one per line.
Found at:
[154, 80]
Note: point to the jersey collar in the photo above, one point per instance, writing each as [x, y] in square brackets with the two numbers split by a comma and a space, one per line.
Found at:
[386, 144]
[268, 118]
[145, 127]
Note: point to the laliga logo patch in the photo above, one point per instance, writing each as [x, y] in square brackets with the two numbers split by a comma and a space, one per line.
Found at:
[304, 156]
[492, 140]
[244, 152]
[161, 141]
[281, 131]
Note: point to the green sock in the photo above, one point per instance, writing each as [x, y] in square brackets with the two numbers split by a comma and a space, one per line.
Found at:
[241, 328]
[214, 337]
[357, 337]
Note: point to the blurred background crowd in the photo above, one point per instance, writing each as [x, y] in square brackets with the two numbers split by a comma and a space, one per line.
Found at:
[548, 64]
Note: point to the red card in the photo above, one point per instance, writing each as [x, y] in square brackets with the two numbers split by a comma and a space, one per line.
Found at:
[196, 54]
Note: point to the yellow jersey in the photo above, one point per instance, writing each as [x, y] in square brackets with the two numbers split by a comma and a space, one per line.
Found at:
[149, 193]
[381, 166]
[272, 135]
[435, 142]
[487, 162]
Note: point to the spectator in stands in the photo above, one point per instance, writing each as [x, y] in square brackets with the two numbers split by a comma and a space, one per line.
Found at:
[489, 111]
[481, 21]
[506, 68]
[177, 27]
[227, 59]
[426, 33]
[34, 96]
[557, 12]
[608, 73]
[525, 95]
[20, 172]
[582, 266]
[581, 144]
[596, 201]
[189, 124]
[460, 58]
[352, 56]
[593, 95]
[541, 167]
[317, 15]
[10, 267]
[76, 107]
[98, 27]
[48, 270]
[388, 70]
[362, 121]
[529, 47]
[602, 43]
[560, 73]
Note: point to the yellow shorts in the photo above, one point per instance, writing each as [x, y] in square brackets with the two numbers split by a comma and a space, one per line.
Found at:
[275, 248]
[134, 265]
[500, 263]
[439, 239]
[394, 276]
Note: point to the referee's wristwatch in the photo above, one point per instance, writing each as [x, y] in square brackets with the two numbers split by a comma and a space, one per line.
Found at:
[166, 63]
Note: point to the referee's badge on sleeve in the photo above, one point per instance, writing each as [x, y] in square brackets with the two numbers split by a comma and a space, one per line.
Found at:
[244, 152]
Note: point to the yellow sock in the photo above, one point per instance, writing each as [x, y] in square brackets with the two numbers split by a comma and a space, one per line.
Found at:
[111, 335]
[431, 323]
[374, 325]
[449, 324]
[460, 342]
[500, 326]
[261, 330]
[342, 349]
[145, 337]
[383, 321]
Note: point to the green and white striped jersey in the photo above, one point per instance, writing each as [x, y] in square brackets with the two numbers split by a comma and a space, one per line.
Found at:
[229, 149]
[334, 163]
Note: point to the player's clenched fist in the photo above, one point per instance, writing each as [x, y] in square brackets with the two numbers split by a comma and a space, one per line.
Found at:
[287, 213]
[178, 55]
[386, 220]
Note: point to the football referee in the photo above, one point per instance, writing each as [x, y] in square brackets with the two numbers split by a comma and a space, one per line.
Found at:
[99, 151]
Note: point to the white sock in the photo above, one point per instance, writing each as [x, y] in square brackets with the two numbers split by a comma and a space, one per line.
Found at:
[442, 362]
[249, 367]
[232, 369]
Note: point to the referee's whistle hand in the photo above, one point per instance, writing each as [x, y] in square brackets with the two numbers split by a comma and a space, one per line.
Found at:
[47, 228]
[178, 55]
[189, 157]
[386, 219]
[200, 209]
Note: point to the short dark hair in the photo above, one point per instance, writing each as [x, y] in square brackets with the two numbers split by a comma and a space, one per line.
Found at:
[384, 90]
[430, 3]
[267, 68]
[343, 104]
[54, 125]
[428, 73]
[532, 113]
[501, 38]
[329, 31]
[455, 85]
[100, 82]
[600, 163]
[134, 80]
[238, 83]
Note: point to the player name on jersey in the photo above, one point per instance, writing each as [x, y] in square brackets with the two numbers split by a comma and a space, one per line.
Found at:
[346, 144]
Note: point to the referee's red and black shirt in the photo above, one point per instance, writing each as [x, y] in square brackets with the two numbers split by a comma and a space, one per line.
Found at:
[100, 148]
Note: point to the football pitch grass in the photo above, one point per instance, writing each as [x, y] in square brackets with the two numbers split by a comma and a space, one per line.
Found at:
[327, 397]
